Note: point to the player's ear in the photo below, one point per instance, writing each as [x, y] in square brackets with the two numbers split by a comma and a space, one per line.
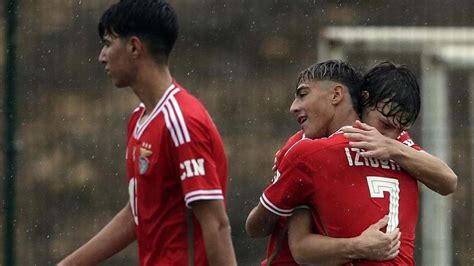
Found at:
[135, 46]
[337, 94]
[364, 95]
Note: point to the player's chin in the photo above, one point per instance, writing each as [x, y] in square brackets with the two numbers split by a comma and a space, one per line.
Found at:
[119, 83]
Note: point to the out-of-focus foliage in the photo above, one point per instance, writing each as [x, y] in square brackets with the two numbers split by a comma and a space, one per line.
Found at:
[239, 57]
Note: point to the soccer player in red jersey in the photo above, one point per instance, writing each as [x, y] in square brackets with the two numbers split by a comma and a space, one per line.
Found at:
[176, 165]
[383, 120]
[385, 85]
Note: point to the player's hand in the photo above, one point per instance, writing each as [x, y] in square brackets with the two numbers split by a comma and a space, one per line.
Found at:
[368, 138]
[376, 245]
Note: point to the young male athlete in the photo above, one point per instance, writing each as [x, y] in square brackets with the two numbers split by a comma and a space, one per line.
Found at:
[380, 244]
[176, 163]
[384, 85]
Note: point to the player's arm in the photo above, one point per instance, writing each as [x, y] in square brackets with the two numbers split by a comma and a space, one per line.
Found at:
[260, 222]
[114, 237]
[290, 188]
[216, 231]
[426, 168]
[309, 248]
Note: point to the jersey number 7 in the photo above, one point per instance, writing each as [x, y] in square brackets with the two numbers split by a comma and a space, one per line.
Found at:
[377, 186]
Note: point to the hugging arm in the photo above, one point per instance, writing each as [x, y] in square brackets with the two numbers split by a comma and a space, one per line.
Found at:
[260, 222]
[308, 248]
[426, 168]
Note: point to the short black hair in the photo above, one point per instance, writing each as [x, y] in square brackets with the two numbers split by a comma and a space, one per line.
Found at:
[389, 83]
[153, 21]
[337, 71]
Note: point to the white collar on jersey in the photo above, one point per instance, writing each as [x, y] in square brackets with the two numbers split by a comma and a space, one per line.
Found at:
[141, 125]
[339, 131]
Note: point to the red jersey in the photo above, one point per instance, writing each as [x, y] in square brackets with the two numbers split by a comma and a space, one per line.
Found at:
[346, 192]
[405, 138]
[278, 252]
[174, 156]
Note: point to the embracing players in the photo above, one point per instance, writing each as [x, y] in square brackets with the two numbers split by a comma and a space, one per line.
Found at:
[323, 97]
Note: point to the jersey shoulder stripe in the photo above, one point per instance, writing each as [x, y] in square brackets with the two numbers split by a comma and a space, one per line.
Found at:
[175, 122]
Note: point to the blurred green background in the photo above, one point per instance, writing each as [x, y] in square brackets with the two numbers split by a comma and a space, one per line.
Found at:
[239, 57]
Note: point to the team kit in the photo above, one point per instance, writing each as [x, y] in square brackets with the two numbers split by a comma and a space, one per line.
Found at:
[345, 186]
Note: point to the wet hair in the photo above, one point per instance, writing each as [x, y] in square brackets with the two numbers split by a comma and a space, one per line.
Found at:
[396, 87]
[153, 21]
[337, 71]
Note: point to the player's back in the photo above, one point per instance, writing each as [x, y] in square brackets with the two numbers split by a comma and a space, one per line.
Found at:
[351, 192]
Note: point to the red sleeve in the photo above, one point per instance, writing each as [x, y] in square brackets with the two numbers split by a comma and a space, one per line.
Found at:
[197, 159]
[405, 138]
[292, 188]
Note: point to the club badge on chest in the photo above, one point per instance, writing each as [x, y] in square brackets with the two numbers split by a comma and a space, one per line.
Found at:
[144, 162]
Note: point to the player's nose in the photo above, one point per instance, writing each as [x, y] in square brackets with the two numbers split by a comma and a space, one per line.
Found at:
[295, 107]
[102, 57]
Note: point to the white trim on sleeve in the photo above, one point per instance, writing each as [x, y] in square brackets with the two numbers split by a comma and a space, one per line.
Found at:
[271, 207]
[211, 194]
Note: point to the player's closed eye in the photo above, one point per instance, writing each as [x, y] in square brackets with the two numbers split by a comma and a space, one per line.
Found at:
[301, 94]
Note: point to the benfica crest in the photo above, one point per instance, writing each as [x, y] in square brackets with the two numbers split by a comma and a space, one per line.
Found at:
[144, 162]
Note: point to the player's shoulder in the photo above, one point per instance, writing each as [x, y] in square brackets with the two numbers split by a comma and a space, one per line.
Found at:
[297, 148]
[190, 106]
[192, 114]
[335, 141]
[185, 97]
[305, 147]
[337, 138]
[296, 137]
[291, 141]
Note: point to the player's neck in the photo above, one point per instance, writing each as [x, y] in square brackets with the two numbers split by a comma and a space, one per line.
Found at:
[152, 82]
[342, 119]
